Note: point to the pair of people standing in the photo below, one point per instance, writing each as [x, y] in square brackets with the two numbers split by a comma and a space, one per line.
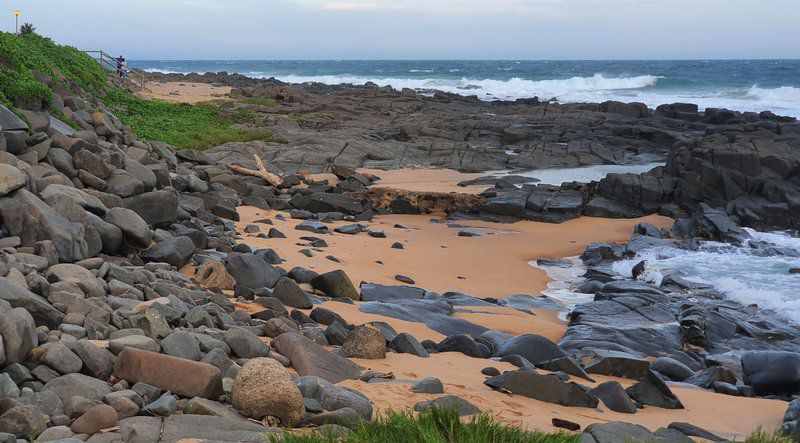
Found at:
[122, 67]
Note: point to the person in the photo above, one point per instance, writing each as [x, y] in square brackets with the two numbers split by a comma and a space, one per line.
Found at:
[122, 67]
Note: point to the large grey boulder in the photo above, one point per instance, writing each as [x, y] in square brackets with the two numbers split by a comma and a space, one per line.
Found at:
[32, 220]
[156, 207]
[184, 427]
[11, 179]
[18, 332]
[72, 385]
[535, 348]
[176, 251]
[772, 372]
[39, 308]
[548, 388]
[78, 275]
[133, 227]
[251, 271]
[309, 358]
[332, 397]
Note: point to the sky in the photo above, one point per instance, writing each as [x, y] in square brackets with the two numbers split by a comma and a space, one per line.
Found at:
[419, 29]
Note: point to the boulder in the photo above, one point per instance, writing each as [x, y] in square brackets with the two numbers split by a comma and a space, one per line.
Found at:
[651, 390]
[40, 309]
[212, 274]
[309, 358]
[408, 344]
[156, 207]
[264, 388]
[74, 385]
[613, 395]
[533, 347]
[18, 333]
[771, 372]
[245, 344]
[11, 179]
[365, 341]
[251, 271]
[187, 427]
[30, 219]
[548, 388]
[77, 275]
[133, 227]
[169, 373]
[291, 294]
[335, 284]
[177, 251]
[331, 397]
[99, 417]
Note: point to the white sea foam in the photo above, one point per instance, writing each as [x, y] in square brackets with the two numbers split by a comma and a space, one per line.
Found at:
[596, 88]
[737, 272]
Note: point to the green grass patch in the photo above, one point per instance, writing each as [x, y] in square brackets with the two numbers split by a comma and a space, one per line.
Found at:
[434, 426]
[184, 126]
[762, 436]
[21, 55]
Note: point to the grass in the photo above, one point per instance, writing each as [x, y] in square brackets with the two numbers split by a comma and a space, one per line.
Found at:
[21, 55]
[434, 426]
[181, 125]
[762, 436]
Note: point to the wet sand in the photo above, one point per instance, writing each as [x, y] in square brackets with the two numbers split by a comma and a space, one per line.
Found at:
[182, 92]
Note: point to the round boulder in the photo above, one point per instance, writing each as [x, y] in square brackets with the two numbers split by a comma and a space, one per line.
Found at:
[264, 388]
[365, 341]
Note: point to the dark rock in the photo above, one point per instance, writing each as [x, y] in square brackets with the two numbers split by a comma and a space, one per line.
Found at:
[548, 388]
[335, 284]
[613, 395]
[651, 390]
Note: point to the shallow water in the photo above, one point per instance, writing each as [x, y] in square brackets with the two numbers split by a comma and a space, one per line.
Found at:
[584, 174]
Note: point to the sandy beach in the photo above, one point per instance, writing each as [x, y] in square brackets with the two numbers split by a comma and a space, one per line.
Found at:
[185, 92]
[437, 258]
[494, 265]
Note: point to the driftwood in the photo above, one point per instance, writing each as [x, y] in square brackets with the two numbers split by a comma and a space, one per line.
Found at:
[261, 172]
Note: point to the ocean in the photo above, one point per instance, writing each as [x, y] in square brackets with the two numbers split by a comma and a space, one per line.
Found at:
[741, 85]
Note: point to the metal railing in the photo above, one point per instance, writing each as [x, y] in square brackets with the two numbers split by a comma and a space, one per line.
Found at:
[111, 62]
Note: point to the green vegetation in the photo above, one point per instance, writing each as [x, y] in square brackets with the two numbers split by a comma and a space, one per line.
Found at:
[762, 436]
[27, 29]
[434, 426]
[21, 56]
[181, 125]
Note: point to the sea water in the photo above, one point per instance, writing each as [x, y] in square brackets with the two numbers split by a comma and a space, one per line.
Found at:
[749, 275]
[584, 174]
[742, 85]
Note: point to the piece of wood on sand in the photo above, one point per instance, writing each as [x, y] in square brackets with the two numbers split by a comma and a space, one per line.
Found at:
[261, 172]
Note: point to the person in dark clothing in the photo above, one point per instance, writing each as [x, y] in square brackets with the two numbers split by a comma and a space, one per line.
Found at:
[122, 67]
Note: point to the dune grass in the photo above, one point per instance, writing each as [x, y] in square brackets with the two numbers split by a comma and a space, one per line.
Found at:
[184, 126]
[434, 426]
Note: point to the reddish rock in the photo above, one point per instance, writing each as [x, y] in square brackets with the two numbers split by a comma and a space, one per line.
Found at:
[183, 377]
[95, 419]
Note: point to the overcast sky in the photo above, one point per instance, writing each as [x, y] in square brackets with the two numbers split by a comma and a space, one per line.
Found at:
[420, 29]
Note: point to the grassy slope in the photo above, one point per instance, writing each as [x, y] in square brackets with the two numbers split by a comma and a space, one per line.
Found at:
[184, 126]
[20, 56]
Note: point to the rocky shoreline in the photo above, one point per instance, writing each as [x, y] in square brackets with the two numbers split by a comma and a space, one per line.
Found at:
[134, 309]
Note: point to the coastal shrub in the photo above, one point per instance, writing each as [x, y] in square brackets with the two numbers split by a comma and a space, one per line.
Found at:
[21, 55]
[434, 426]
[184, 126]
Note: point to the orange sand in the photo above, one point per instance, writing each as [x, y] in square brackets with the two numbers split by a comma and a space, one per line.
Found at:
[426, 180]
[732, 417]
[182, 92]
[495, 265]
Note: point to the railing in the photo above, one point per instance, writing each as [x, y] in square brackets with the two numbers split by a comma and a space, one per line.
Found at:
[111, 62]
